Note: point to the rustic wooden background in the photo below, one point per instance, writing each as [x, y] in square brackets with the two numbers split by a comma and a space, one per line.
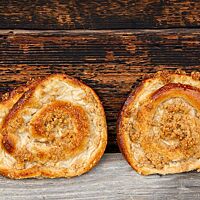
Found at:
[109, 44]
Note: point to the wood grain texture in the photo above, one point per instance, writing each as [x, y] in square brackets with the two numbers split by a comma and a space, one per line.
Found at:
[99, 14]
[113, 179]
[111, 62]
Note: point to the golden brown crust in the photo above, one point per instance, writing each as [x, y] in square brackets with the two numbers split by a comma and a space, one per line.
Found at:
[120, 137]
[9, 99]
[147, 132]
[56, 129]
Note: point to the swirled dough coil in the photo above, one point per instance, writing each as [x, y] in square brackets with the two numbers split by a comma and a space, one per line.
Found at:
[56, 129]
[159, 125]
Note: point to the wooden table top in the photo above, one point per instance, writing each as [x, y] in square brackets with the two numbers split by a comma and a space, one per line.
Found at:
[111, 179]
[107, 44]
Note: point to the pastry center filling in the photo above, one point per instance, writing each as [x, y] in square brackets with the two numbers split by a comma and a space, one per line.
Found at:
[178, 124]
[172, 134]
[55, 122]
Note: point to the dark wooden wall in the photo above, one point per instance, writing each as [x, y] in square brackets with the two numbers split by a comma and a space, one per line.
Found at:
[99, 14]
[109, 45]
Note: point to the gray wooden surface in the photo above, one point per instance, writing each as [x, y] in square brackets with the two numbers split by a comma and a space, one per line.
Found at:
[113, 178]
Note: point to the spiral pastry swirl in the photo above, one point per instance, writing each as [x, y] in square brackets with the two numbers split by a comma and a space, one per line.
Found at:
[56, 129]
[159, 125]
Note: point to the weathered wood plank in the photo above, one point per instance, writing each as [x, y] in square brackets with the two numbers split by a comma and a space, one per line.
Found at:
[113, 179]
[104, 14]
[111, 62]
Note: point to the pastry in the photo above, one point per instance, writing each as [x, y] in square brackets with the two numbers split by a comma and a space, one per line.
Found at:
[159, 125]
[56, 129]
[9, 99]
